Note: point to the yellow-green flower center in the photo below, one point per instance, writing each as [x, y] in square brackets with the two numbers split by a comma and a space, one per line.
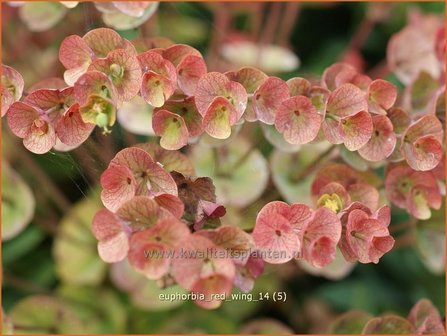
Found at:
[331, 201]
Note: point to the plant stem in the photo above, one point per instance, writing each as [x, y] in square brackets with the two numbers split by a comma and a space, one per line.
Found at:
[291, 13]
[17, 282]
[314, 164]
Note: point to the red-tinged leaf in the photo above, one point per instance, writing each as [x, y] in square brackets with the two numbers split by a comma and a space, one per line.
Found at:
[51, 102]
[236, 241]
[188, 111]
[142, 212]
[151, 178]
[219, 118]
[409, 52]
[368, 238]
[143, 44]
[151, 249]
[356, 130]
[382, 142]
[319, 97]
[75, 53]
[156, 89]
[171, 203]
[93, 82]
[197, 257]
[423, 154]
[250, 78]
[148, 258]
[332, 131]
[361, 81]
[212, 287]
[337, 75]
[246, 275]
[383, 215]
[298, 86]
[298, 120]
[365, 194]
[169, 160]
[189, 71]
[268, 97]
[427, 125]
[276, 240]
[119, 186]
[20, 118]
[276, 230]
[71, 129]
[176, 53]
[132, 8]
[421, 198]
[73, 74]
[113, 242]
[172, 129]
[398, 183]
[335, 172]
[41, 138]
[123, 70]
[381, 96]
[153, 61]
[215, 84]
[104, 40]
[346, 100]
[11, 87]
[320, 237]
[425, 318]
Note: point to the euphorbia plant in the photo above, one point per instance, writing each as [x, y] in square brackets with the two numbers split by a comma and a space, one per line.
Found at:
[171, 222]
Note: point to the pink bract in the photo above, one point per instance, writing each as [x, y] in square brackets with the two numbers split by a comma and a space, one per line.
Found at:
[413, 190]
[268, 97]
[32, 126]
[421, 145]
[12, 85]
[113, 240]
[123, 70]
[133, 172]
[320, 237]
[382, 142]
[298, 120]
[365, 236]
[277, 229]
[213, 85]
[172, 129]
[198, 258]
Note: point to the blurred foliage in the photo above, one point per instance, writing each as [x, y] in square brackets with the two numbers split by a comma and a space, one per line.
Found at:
[33, 260]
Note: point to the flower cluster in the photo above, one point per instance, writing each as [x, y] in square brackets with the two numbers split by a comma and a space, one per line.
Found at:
[166, 222]
[345, 107]
[346, 216]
